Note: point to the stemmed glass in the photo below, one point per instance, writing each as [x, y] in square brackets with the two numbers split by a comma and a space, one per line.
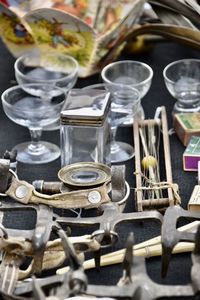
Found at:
[50, 68]
[34, 106]
[131, 73]
[125, 101]
[182, 79]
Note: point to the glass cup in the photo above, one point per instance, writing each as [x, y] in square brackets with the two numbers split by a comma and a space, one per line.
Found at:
[182, 79]
[34, 110]
[50, 68]
[125, 101]
[131, 73]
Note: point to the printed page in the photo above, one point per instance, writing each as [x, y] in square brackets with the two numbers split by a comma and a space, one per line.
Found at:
[107, 43]
[20, 7]
[56, 31]
[86, 10]
[111, 13]
[13, 32]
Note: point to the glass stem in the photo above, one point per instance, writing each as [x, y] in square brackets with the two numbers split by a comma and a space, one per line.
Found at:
[35, 146]
[114, 146]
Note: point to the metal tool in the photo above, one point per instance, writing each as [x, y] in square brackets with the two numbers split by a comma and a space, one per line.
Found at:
[135, 283]
[61, 287]
[170, 235]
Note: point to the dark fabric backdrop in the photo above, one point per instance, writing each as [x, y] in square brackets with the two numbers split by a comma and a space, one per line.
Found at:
[12, 134]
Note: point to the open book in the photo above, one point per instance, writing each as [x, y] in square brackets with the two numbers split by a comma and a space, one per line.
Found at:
[86, 29]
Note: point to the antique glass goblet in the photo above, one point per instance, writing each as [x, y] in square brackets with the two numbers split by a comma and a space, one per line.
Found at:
[50, 68]
[34, 110]
[131, 73]
[125, 101]
[182, 79]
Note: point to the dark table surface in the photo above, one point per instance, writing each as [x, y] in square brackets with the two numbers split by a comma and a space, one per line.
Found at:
[12, 134]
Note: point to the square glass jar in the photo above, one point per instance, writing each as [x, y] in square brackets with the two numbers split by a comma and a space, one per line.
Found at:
[85, 130]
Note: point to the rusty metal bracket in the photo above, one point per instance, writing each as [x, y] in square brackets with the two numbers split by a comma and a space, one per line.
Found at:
[4, 175]
[39, 235]
[110, 217]
[135, 283]
[61, 287]
[170, 235]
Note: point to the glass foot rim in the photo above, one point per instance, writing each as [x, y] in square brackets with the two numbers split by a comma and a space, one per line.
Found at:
[181, 109]
[51, 153]
[126, 150]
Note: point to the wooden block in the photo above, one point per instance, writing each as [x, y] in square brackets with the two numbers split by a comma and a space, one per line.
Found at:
[187, 125]
[191, 156]
[194, 203]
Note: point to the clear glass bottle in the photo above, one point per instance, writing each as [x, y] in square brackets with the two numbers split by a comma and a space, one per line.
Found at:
[85, 131]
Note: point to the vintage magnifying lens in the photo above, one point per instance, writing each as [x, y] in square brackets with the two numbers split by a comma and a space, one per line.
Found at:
[84, 175]
[88, 175]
